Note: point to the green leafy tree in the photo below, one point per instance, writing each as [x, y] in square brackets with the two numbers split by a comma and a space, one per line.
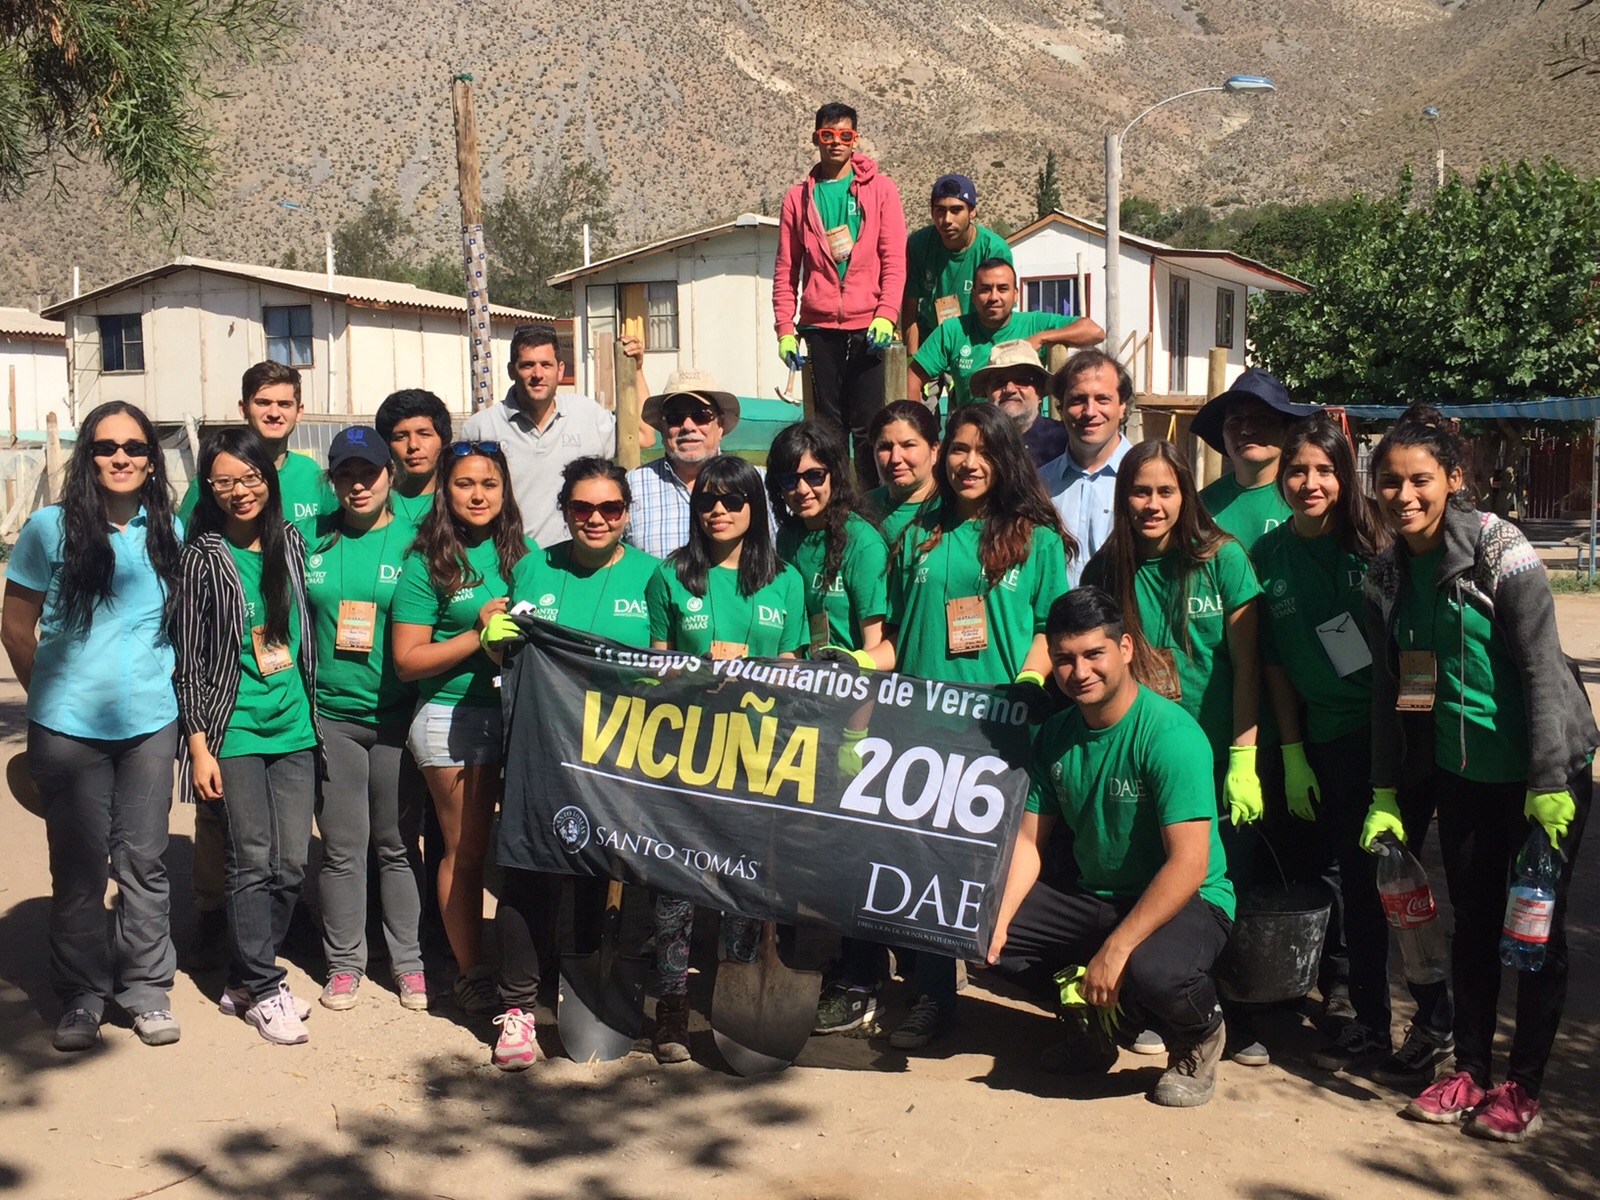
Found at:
[124, 83]
[1488, 293]
[1140, 217]
[538, 232]
[380, 242]
[1047, 188]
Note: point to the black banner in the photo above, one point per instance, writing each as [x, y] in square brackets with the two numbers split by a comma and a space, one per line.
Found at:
[720, 782]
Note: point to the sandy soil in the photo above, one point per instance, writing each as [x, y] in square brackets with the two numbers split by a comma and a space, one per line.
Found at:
[387, 1103]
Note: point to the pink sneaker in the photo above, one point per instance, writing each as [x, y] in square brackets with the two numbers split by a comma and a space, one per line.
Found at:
[516, 1049]
[413, 987]
[1447, 1102]
[340, 993]
[1508, 1114]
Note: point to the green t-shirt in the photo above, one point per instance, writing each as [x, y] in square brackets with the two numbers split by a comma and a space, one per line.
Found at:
[272, 713]
[836, 205]
[609, 602]
[1480, 717]
[858, 591]
[305, 492]
[1015, 609]
[892, 518]
[962, 347]
[1306, 583]
[354, 685]
[411, 509]
[1116, 788]
[1219, 586]
[1247, 513]
[417, 602]
[933, 271]
[767, 624]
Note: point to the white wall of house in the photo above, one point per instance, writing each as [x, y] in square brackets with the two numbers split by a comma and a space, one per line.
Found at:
[38, 367]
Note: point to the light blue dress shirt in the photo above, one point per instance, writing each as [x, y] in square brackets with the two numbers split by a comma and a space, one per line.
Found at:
[1085, 500]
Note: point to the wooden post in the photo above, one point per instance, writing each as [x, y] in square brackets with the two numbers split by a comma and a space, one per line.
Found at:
[52, 460]
[808, 392]
[628, 405]
[894, 372]
[479, 329]
[1055, 358]
[12, 404]
[1211, 464]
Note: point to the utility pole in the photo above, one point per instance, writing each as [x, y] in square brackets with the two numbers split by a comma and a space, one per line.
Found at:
[472, 252]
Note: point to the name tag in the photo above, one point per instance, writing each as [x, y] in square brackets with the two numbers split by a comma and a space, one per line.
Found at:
[271, 657]
[1418, 674]
[1346, 648]
[729, 649]
[820, 630]
[946, 307]
[358, 621]
[966, 625]
[840, 243]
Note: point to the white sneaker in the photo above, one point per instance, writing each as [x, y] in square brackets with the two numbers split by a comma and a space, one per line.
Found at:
[236, 1002]
[276, 1019]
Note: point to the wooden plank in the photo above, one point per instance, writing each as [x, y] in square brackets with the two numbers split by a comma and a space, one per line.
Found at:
[628, 405]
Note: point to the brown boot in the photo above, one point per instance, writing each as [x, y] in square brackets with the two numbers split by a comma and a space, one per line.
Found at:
[1191, 1074]
[671, 1042]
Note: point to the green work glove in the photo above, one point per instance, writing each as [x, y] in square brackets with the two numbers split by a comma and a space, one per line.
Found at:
[1070, 980]
[880, 333]
[1382, 817]
[1300, 782]
[850, 753]
[1241, 787]
[501, 629]
[1553, 810]
[843, 654]
[789, 351]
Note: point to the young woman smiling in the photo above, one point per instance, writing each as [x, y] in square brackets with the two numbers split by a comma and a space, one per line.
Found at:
[905, 440]
[88, 635]
[1470, 686]
[455, 578]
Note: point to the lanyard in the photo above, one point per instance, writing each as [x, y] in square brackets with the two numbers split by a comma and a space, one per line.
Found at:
[711, 603]
[383, 551]
[569, 573]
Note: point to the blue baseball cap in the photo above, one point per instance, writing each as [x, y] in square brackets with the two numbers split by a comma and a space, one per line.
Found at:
[957, 187]
[360, 442]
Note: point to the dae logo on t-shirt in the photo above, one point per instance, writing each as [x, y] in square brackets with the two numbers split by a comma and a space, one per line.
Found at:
[304, 512]
[695, 604]
[1010, 579]
[1205, 606]
[769, 616]
[838, 584]
[629, 608]
[388, 573]
[1125, 791]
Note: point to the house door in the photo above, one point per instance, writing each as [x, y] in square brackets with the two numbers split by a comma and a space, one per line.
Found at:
[1178, 337]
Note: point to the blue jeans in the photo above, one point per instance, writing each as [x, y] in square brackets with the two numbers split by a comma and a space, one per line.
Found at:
[266, 827]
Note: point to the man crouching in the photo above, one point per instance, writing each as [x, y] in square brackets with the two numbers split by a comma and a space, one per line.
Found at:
[1151, 908]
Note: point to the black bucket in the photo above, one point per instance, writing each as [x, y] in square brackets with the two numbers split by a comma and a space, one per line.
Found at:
[1276, 944]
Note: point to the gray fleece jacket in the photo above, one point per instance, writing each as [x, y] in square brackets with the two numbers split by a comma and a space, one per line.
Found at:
[1489, 565]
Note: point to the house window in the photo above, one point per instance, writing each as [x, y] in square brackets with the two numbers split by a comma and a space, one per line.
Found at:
[1178, 336]
[288, 334]
[1225, 316]
[121, 343]
[661, 316]
[1059, 296]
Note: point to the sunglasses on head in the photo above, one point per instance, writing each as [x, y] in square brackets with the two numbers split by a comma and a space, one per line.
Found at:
[844, 137]
[581, 510]
[133, 448]
[814, 477]
[463, 449]
[704, 502]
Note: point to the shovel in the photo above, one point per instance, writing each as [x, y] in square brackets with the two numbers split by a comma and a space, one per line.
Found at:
[763, 1012]
[600, 1008]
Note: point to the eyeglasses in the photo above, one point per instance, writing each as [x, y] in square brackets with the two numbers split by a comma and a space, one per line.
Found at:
[814, 478]
[612, 510]
[700, 414]
[133, 448]
[704, 502]
[463, 449]
[844, 137]
[223, 484]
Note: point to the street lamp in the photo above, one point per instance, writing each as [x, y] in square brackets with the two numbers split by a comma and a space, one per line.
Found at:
[1233, 83]
[1431, 115]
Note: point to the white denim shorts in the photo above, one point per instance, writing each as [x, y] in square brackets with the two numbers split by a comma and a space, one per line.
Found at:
[455, 735]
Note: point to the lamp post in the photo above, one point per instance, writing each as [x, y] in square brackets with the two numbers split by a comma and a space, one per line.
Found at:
[1233, 83]
[1431, 115]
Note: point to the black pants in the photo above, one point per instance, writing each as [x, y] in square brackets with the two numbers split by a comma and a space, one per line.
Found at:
[1168, 974]
[528, 902]
[1481, 829]
[847, 389]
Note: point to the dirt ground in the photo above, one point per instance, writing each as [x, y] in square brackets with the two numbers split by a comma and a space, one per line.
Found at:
[387, 1103]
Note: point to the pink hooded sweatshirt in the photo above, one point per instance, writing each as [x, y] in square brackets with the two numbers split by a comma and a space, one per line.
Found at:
[873, 283]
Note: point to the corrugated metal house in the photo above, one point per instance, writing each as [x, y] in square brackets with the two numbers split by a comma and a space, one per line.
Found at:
[33, 372]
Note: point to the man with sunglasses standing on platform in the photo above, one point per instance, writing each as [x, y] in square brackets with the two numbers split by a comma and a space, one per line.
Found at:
[842, 260]
[540, 430]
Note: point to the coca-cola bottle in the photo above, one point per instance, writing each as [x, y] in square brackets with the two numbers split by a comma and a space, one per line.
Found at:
[1408, 905]
[1530, 905]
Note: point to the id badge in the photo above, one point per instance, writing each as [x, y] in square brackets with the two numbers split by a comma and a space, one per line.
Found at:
[1346, 648]
[1166, 682]
[821, 632]
[840, 243]
[729, 649]
[946, 308]
[966, 625]
[358, 620]
[270, 658]
[1418, 673]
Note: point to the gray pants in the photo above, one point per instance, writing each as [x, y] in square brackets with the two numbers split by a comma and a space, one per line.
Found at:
[106, 808]
[362, 799]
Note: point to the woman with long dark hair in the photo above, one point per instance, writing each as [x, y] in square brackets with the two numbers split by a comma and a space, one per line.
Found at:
[723, 595]
[246, 690]
[970, 589]
[905, 441]
[1470, 686]
[455, 578]
[89, 636]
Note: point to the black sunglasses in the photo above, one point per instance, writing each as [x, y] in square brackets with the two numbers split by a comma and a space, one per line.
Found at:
[462, 449]
[704, 502]
[582, 510]
[814, 477]
[133, 448]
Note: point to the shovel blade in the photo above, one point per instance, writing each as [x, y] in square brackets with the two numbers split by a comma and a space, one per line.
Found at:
[600, 1011]
[762, 1012]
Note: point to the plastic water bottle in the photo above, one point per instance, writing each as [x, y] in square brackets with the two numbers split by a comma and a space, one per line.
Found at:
[1530, 904]
[1408, 905]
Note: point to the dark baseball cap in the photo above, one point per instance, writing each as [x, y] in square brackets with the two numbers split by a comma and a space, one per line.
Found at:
[359, 442]
[1254, 384]
[957, 187]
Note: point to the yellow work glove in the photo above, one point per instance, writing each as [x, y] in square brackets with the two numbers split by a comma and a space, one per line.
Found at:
[500, 630]
[843, 654]
[1070, 980]
[1553, 810]
[789, 352]
[1382, 817]
[880, 333]
[1300, 782]
[1241, 787]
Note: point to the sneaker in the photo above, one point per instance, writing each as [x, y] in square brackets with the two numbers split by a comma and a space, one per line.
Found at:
[78, 1029]
[1148, 1041]
[1355, 1046]
[475, 993]
[845, 1008]
[158, 1027]
[515, 1049]
[276, 1019]
[1507, 1114]
[1253, 1055]
[413, 987]
[1191, 1074]
[1421, 1059]
[1337, 1010]
[340, 993]
[926, 1021]
[1086, 1048]
[236, 1002]
[1447, 1102]
[671, 1040]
